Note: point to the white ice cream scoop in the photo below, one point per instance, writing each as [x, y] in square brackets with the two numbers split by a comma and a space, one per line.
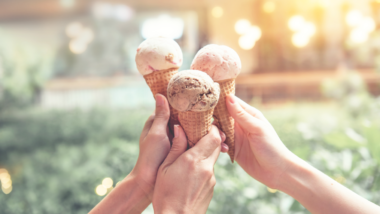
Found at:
[158, 53]
[218, 61]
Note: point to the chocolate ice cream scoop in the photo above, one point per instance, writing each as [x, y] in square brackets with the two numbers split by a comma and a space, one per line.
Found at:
[193, 90]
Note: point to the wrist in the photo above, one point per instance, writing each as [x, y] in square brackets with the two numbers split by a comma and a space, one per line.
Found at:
[127, 197]
[136, 197]
[143, 187]
[296, 178]
[163, 209]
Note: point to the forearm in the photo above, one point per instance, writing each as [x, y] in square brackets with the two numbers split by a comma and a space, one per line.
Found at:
[127, 197]
[321, 194]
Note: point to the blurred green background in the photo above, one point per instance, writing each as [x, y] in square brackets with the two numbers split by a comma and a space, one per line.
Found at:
[72, 104]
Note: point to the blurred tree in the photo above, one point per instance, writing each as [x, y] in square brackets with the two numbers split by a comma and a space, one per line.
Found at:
[24, 68]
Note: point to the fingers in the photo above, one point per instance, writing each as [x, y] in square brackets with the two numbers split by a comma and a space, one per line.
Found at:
[241, 116]
[179, 145]
[224, 148]
[162, 115]
[250, 109]
[147, 126]
[209, 146]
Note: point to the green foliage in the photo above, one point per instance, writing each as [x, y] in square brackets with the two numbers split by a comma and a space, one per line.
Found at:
[56, 159]
[24, 68]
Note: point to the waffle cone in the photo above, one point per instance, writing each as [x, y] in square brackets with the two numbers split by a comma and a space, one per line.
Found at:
[158, 83]
[222, 117]
[195, 124]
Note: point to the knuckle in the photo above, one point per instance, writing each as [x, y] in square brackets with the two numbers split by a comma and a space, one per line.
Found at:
[240, 113]
[162, 114]
[215, 138]
[189, 159]
[213, 181]
[157, 135]
[151, 118]
[209, 173]
[190, 162]
[191, 166]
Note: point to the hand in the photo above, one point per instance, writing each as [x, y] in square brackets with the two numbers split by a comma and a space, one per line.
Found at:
[185, 181]
[154, 146]
[260, 152]
[135, 192]
[258, 149]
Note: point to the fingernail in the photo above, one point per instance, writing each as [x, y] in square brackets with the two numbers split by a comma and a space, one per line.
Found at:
[159, 100]
[231, 99]
[225, 147]
[176, 131]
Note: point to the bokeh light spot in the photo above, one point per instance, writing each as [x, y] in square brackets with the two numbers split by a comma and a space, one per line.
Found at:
[74, 29]
[246, 42]
[271, 190]
[217, 12]
[101, 190]
[368, 24]
[242, 26]
[254, 32]
[308, 29]
[300, 40]
[5, 177]
[7, 190]
[107, 182]
[77, 46]
[269, 7]
[358, 36]
[7, 184]
[163, 25]
[2, 170]
[353, 18]
[296, 23]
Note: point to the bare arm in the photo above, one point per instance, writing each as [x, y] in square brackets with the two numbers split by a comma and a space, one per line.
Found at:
[135, 192]
[321, 194]
[261, 153]
[127, 197]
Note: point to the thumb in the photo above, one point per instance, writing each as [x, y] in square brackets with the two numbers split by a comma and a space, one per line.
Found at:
[179, 146]
[162, 115]
[242, 117]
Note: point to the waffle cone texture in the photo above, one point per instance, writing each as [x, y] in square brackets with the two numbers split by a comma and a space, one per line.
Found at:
[223, 119]
[158, 83]
[195, 124]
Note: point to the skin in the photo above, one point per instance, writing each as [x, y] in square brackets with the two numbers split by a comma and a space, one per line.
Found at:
[136, 191]
[186, 180]
[261, 153]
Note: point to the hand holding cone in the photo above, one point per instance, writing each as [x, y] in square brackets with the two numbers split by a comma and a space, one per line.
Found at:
[194, 94]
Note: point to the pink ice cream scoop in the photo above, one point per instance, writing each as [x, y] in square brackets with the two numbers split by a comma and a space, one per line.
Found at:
[158, 53]
[218, 61]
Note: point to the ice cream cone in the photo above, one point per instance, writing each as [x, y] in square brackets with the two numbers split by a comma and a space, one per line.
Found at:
[222, 117]
[158, 83]
[223, 65]
[195, 124]
[194, 94]
[158, 59]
